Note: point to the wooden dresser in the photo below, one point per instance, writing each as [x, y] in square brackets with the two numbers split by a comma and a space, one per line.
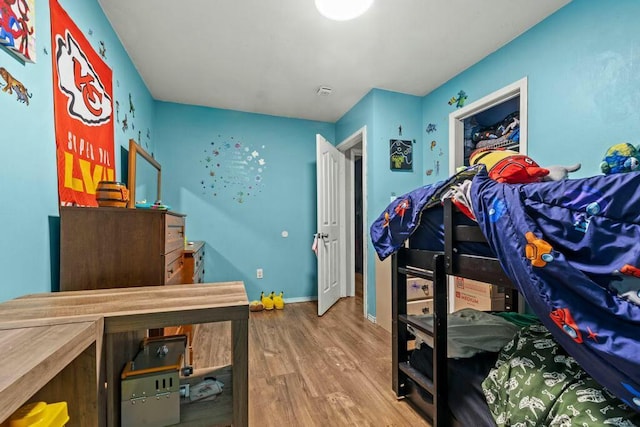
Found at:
[193, 270]
[117, 247]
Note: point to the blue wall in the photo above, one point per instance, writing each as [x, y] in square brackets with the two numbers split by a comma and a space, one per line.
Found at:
[383, 113]
[28, 177]
[583, 69]
[236, 203]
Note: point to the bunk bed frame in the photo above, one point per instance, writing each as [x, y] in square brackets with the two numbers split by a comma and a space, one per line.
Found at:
[408, 382]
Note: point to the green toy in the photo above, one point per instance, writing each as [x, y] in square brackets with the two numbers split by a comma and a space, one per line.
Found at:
[621, 158]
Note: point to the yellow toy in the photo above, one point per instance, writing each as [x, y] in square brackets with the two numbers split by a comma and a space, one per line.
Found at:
[278, 301]
[39, 414]
[267, 302]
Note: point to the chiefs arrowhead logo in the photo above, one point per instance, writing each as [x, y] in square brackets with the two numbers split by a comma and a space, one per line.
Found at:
[88, 100]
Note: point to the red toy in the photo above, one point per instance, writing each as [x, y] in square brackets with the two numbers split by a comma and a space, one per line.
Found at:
[508, 166]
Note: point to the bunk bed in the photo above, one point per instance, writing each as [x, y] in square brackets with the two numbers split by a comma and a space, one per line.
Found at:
[442, 242]
[429, 391]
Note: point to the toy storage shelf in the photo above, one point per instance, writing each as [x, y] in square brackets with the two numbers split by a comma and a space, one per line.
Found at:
[126, 313]
[39, 364]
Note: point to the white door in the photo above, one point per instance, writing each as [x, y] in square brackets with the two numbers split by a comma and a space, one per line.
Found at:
[331, 241]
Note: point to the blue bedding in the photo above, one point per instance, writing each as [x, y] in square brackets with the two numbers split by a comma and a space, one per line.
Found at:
[418, 215]
[572, 248]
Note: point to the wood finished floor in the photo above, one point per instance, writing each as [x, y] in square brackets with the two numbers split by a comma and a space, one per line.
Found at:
[306, 370]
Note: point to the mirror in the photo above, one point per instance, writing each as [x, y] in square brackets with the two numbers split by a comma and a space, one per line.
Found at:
[144, 175]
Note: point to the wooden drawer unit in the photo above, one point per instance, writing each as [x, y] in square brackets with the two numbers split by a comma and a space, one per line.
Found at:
[424, 306]
[173, 268]
[193, 271]
[418, 288]
[117, 247]
[174, 233]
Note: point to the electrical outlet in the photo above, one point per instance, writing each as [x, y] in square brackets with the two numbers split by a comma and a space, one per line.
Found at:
[259, 273]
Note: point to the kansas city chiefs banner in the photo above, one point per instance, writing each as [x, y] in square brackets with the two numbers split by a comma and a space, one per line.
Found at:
[83, 112]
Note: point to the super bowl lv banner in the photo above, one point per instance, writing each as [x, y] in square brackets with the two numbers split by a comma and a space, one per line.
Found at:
[83, 112]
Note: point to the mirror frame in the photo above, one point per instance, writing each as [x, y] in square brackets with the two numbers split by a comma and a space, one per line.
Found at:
[134, 150]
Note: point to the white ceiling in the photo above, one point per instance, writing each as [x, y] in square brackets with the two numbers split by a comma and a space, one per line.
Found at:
[271, 56]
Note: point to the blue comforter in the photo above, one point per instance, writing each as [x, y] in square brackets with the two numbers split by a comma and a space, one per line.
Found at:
[572, 248]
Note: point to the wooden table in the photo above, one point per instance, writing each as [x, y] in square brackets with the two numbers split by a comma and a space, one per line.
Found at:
[123, 314]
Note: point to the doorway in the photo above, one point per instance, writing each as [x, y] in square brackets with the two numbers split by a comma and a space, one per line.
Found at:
[354, 149]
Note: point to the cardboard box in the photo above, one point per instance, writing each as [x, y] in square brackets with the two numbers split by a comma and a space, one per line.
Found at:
[478, 302]
[478, 288]
[418, 288]
[424, 306]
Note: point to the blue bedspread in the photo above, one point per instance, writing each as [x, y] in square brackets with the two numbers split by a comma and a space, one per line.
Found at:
[572, 248]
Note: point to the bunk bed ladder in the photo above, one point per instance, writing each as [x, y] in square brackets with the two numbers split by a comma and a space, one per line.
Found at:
[432, 267]
[485, 269]
[440, 369]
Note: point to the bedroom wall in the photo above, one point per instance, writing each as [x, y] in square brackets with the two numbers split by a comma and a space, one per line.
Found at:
[583, 75]
[583, 71]
[384, 112]
[28, 178]
[243, 179]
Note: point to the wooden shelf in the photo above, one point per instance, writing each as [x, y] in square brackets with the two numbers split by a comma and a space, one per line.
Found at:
[61, 337]
[40, 363]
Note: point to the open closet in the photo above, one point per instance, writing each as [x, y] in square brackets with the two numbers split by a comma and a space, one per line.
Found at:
[498, 120]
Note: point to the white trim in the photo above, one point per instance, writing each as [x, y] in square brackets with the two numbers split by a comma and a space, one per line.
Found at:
[359, 136]
[371, 318]
[365, 227]
[351, 291]
[456, 118]
[352, 140]
[300, 299]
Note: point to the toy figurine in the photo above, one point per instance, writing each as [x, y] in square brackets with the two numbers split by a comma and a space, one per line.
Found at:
[267, 302]
[557, 172]
[508, 166]
[620, 158]
[278, 301]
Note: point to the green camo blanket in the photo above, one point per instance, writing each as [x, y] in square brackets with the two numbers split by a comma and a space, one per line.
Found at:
[536, 383]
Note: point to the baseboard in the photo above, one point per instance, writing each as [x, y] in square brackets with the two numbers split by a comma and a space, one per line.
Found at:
[371, 318]
[299, 299]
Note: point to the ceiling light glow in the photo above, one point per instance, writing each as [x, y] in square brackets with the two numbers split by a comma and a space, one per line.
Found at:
[342, 10]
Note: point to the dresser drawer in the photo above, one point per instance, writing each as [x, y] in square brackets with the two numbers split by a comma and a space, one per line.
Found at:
[420, 307]
[194, 253]
[173, 267]
[198, 258]
[418, 288]
[198, 276]
[176, 279]
[174, 233]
